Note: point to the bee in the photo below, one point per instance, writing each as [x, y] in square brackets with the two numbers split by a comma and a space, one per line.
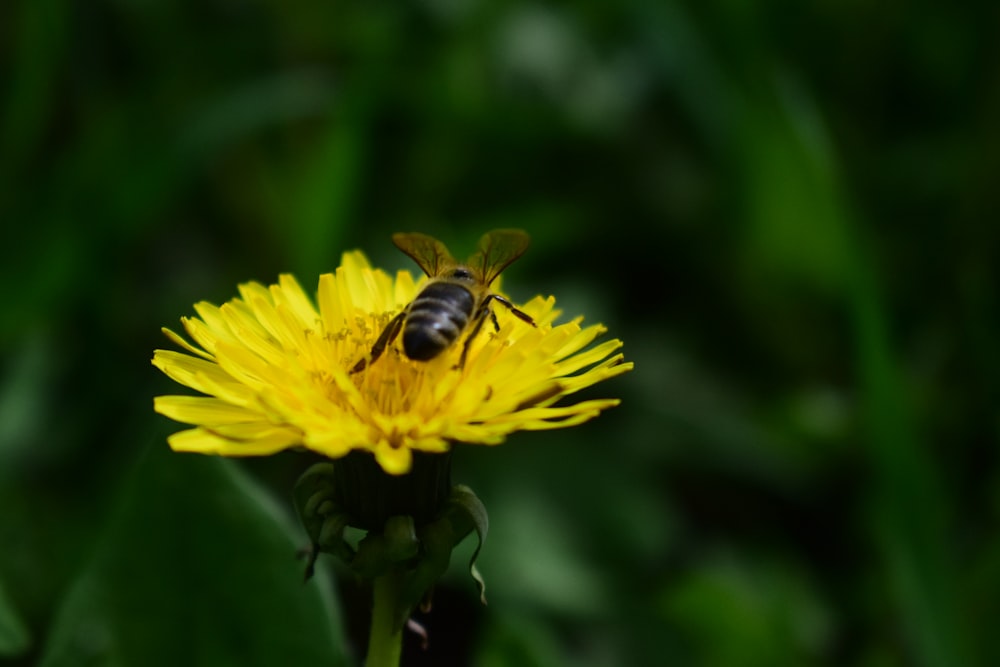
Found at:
[455, 299]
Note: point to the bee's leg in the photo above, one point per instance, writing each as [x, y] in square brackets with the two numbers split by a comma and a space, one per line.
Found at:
[385, 339]
[512, 308]
[478, 318]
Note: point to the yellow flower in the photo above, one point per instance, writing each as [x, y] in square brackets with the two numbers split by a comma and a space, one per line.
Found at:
[275, 371]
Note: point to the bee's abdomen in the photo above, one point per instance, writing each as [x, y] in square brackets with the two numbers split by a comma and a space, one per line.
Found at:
[436, 319]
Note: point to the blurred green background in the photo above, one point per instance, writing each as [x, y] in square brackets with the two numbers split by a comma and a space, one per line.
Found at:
[786, 210]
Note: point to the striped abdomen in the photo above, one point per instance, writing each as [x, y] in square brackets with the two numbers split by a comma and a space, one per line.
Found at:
[436, 319]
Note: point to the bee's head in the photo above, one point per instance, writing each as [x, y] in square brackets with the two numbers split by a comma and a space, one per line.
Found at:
[462, 273]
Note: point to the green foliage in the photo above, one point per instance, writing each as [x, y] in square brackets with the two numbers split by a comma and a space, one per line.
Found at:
[786, 211]
[14, 636]
[745, 613]
[196, 567]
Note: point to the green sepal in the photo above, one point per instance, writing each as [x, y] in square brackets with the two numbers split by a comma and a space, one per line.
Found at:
[462, 514]
[421, 556]
[323, 519]
[437, 539]
[331, 536]
[465, 504]
[372, 559]
[380, 552]
[401, 538]
[313, 490]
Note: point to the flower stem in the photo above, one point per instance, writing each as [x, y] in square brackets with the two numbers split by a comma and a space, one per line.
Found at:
[385, 643]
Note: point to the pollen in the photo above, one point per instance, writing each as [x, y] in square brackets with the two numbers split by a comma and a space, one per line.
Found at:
[271, 369]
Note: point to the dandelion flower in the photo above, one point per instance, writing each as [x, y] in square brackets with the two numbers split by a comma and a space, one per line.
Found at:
[273, 366]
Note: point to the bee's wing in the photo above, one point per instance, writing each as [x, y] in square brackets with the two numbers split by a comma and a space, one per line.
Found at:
[430, 254]
[498, 250]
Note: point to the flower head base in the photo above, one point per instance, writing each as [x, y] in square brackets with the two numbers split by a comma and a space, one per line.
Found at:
[275, 371]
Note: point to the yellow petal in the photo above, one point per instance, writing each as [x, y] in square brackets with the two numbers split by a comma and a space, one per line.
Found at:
[202, 410]
[203, 441]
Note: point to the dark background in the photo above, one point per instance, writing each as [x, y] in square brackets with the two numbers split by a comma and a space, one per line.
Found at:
[787, 211]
